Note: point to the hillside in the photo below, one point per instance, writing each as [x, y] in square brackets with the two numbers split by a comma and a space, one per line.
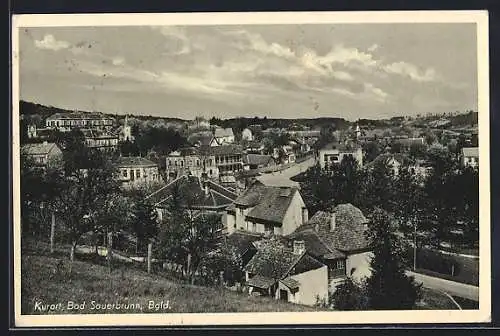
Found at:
[41, 284]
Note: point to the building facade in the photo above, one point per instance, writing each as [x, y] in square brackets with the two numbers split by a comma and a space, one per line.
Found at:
[470, 157]
[65, 122]
[43, 155]
[333, 154]
[137, 171]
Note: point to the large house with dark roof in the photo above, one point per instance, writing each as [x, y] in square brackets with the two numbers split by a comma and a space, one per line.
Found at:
[210, 161]
[267, 209]
[137, 171]
[257, 161]
[65, 122]
[194, 194]
[338, 240]
[288, 274]
[224, 136]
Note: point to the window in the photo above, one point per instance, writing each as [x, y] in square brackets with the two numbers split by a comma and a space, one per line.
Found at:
[124, 172]
[340, 264]
[169, 162]
[198, 163]
[138, 173]
[182, 163]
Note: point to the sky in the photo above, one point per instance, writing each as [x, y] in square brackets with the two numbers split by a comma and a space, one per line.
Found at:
[280, 71]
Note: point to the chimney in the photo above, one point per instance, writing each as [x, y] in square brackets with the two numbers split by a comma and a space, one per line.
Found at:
[332, 221]
[299, 247]
[205, 187]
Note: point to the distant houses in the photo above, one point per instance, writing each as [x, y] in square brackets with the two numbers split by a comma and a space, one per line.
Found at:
[257, 161]
[43, 155]
[137, 171]
[100, 139]
[65, 122]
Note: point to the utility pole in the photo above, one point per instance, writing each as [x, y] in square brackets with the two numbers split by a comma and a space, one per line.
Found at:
[415, 245]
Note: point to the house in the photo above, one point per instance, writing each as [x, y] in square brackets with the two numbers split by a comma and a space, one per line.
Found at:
[214, 162]
[288, 274]
[65, 122]
[337, 239]
[43, 155]
[202, 139]
[267, 209]
[286, 152]
[137, 171]
[195, 194]
[101, 140]
[242, 243]
[39, 133]
[246, 135]
[257, 161]
[254, 147]
[334, 153]
[470, 157]
[396, 160]
[224, 136]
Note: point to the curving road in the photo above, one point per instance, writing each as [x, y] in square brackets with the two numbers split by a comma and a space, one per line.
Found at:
[282, 178]
[451, 287]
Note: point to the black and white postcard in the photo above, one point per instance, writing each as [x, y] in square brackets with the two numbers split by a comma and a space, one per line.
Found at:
[251, 168]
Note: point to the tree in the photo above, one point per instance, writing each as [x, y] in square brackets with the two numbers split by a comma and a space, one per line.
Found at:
[316, 189]
[144, 221]
[86, 191]
[388, 287]
[371, 150]
[349, 296]
[376, 187]
[187, 236]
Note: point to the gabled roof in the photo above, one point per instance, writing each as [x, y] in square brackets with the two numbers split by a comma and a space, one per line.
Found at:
[387, 157]
[242, 240]
[134, 162]
[39, 148]
[349, 232]
[274, 260]
[270, 203]
[79, 115]
[226, 150]
[290, 283]
[257, 159]
[223, 132]
[192, 194]
[470, 151]
[203, 138]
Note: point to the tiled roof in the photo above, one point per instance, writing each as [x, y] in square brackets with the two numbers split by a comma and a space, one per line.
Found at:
[257, 159]
[341, 146]
[385, 157]
[223, 132]
[79, 115]
[470, 151]
[242, 241]
[38, 148]
[226, 150]
[275, 260]
[134, 162]
[262, 282]
[290, 283]
[349, 232]
[203, 138]
[271, 203]
[192, 194]
[314, 245]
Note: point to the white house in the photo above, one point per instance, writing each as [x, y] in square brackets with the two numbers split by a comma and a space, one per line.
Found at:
[288, 274]
[267, 209]
[224, 136]
[46, 154]
[137, 171]
[334, 153]
[247, 135]
[338, 240]
[470, 157]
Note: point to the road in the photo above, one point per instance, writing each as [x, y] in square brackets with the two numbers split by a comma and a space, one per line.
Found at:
[282, 178]
[451, 287]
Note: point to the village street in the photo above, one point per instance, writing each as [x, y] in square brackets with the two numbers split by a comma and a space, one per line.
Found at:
[282, 178]
[451, 287]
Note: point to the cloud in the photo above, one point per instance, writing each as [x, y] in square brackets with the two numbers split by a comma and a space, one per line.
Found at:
[50, 43]
[373, 47]
[118, 61]
[412, 71]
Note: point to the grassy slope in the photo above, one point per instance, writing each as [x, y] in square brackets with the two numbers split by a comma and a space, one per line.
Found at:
[93, 282]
